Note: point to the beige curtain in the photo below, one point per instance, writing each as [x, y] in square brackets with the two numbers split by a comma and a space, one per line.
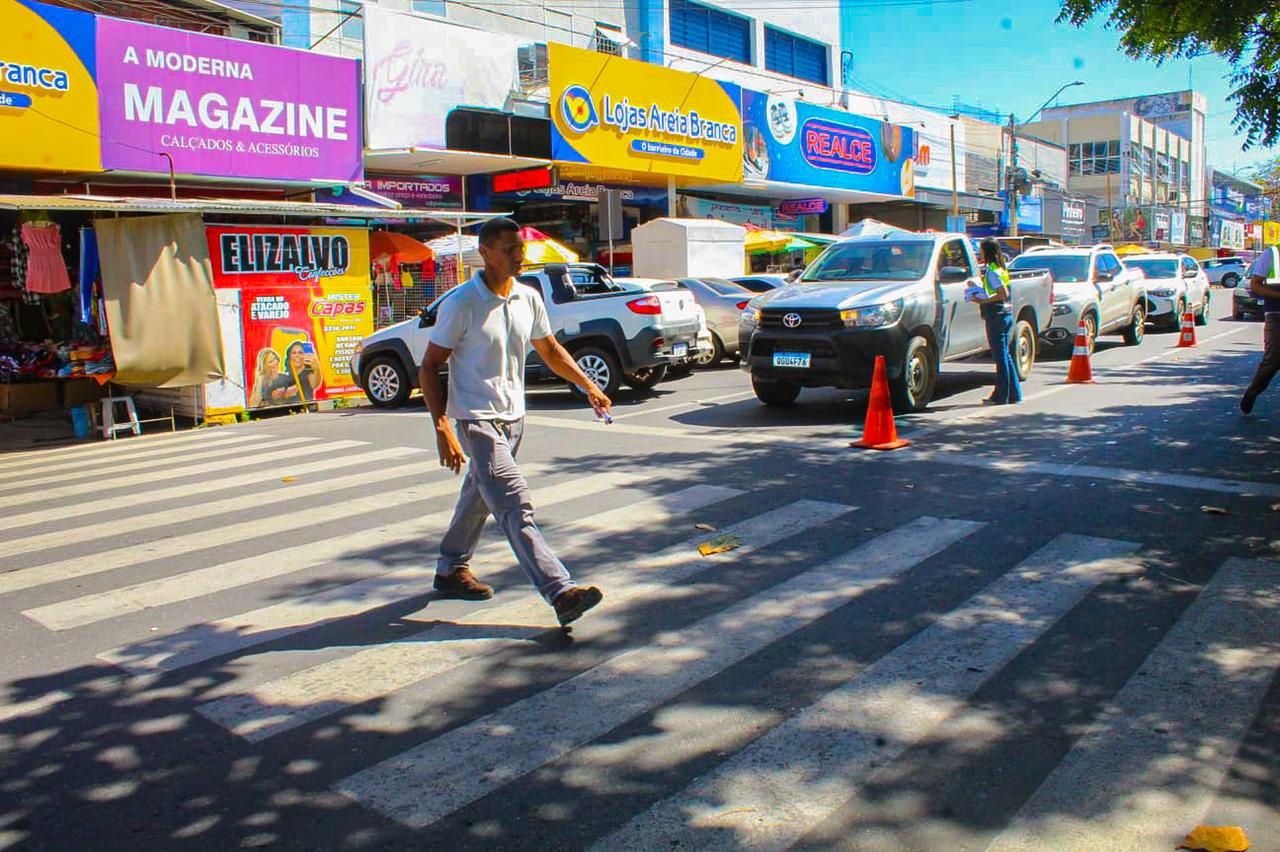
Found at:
[161, 311]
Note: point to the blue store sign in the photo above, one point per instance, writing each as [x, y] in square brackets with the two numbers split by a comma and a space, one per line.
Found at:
[801, 143]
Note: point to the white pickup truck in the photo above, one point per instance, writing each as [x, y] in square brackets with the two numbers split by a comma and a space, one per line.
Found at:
[617, 334]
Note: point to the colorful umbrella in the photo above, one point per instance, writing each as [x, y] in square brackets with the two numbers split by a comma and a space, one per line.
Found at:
[540, 249]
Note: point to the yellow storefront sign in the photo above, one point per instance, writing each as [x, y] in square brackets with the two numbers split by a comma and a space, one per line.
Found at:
[48, 94]
[1271, 233]
[622, 114]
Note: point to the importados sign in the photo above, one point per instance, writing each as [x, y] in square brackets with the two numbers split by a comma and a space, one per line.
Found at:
[618, 113]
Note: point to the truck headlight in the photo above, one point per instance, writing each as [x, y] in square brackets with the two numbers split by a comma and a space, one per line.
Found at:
[1163, 292]
[1061, 310]
[1059, 298]
[750, 316]
[874, 316]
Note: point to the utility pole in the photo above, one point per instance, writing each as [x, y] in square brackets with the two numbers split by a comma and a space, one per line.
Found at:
[1011, 182]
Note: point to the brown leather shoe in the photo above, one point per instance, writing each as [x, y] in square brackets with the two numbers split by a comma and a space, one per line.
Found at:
[572, 603]
[463, 584]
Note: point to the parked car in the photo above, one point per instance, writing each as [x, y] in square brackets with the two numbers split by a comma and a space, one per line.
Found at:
[900, 295]
[616, 334]
[724, 302]
[1245, 305]
[1175, 282]
[1226, 271]
[702, 346]
[761, 282]
[1090, 283]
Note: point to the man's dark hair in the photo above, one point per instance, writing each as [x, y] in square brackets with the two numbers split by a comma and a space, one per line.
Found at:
[991, 252]
[491, 230]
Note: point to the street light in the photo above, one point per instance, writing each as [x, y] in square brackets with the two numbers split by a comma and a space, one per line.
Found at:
[1013, 155]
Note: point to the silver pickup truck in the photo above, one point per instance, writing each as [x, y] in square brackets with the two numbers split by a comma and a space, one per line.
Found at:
[898, 295]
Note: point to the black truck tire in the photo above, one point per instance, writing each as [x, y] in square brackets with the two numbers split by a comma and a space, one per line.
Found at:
[916, 383]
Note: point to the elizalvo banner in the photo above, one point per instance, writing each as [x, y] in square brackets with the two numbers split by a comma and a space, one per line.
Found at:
[225, 107]
[801, 143]
[305, 302]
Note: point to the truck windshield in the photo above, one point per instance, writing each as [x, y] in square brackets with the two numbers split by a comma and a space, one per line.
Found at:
[872, 260]
[1156, 268]
[1067, 268]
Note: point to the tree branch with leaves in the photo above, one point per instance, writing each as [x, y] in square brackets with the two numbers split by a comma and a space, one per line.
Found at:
[1246, 33]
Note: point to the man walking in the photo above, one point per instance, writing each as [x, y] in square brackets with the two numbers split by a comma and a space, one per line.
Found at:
[1264, 281]
[483, 330]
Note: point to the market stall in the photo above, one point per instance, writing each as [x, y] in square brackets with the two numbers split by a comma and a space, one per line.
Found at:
[252, 315]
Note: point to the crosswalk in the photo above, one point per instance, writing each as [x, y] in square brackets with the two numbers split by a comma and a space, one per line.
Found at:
[185, 550]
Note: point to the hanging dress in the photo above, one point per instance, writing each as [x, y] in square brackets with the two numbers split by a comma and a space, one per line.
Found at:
[46, 270]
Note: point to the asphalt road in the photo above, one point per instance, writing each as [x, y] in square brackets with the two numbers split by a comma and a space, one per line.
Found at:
[1050, 626]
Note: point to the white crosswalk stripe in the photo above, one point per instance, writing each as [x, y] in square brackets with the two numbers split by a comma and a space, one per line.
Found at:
[770, 793]
[1152, 764]
[174, 588]
[34, 460]
[276, 455]
[286, 467]
[236, 633]
[115, 463]
[281, 705]
[443, 774]
[167, 517]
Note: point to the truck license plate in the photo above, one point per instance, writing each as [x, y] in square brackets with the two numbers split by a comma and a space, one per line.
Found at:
[680, 350]
[791, 359]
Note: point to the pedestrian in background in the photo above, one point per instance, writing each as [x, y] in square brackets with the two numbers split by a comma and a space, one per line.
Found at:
[482, 331]
[1264, 281]
[993, 299]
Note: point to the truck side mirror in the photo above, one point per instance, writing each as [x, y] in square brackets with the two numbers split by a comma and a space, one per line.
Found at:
[426, 317]
[952, 274]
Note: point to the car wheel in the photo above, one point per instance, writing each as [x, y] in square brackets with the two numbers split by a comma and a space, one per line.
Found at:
[646, 378]
[1091, 330]
[1136, 331]
[915, 385]
[1237, 314]
[714, 355]
[1202, 315]
[783, 392]
[386, 383]
[1023, 349]
[1176, 322]
[1231, 280]
[601, 367]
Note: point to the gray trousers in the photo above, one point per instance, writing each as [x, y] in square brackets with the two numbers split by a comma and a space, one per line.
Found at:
[1270, 363]
[495, 485]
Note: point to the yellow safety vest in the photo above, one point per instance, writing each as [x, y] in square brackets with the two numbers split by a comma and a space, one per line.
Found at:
[1000, 271]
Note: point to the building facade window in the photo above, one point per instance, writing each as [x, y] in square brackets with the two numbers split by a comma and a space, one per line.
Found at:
[431, 7]
[1093, 158]
[796, 57]
[712, 31]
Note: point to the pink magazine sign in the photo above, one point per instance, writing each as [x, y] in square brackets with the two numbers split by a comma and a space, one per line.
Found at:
[224, 107]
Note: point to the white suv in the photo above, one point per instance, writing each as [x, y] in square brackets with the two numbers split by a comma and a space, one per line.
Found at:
[1090, 284]
[1175, 284]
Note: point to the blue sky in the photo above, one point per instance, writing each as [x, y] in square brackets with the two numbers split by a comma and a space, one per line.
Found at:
[973, 49]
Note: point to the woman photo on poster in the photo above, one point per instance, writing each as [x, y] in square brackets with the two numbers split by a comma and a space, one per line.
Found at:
[301, 373]
[264, 375]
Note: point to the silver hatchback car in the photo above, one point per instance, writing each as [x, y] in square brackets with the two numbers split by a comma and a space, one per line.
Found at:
[723, 300]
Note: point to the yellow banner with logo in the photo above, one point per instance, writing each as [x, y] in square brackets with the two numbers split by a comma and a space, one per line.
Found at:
[48, 93]
[622, 114]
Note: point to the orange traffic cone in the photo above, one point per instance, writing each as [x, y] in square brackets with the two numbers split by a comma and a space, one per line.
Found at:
[1188, 335]
[1080, 373]
[879, 433]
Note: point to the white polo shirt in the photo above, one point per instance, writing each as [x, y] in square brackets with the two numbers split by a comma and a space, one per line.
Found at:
[490, 337]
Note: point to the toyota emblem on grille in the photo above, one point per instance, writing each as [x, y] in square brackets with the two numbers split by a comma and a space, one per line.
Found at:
[791, 320]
